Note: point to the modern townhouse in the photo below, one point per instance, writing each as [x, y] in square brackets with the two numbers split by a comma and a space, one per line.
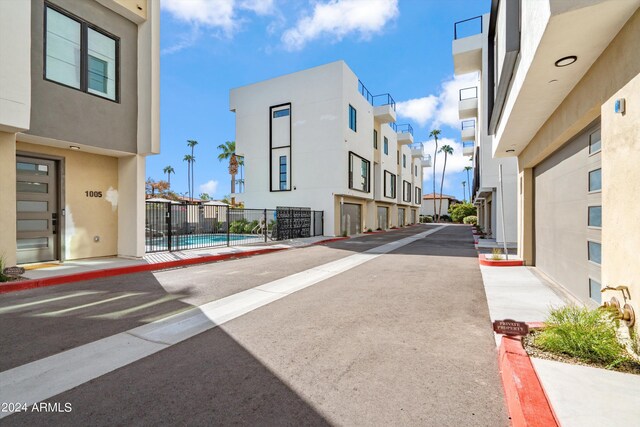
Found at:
[494, 182]
[427, 204]
[318, 138]
[79, 111]
[563, 96]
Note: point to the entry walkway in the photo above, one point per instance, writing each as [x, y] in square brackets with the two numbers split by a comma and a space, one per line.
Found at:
[49, 269]
[580, 396]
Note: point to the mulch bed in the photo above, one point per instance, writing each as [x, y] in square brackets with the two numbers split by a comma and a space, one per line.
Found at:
[629, 367]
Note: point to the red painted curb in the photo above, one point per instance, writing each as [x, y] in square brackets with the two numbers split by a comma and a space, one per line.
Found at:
[119, 271]
[527, 402]
[499, 263]
[335, 239]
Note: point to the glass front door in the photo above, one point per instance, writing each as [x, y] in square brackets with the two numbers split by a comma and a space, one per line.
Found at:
[36, 210]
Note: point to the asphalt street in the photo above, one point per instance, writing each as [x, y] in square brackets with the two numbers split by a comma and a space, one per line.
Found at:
[401, 339]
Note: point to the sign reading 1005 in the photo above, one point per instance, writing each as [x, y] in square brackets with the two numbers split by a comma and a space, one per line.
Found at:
[93, 193]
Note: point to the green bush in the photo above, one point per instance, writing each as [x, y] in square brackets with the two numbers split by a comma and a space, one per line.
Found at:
[461, 210]
[586, 334]
[3, 278]
[471, 219]
[238, 227]
[426, 218]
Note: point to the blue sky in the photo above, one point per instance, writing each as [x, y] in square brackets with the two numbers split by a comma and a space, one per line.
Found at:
[402, 47]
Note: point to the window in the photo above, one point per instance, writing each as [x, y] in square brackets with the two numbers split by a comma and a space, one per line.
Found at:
[375, 139]
[595, 291]
[594, 252]
[358, 173]
[595, 216]
[418, 198]
[398, 157]
[595, 144]
[352, 118]
[404, 161]
[283, 173]
[281, 113]
[595, 180]
[389, 185]
[79, 55]
[415, 170]
[406, 191]
[386, 146]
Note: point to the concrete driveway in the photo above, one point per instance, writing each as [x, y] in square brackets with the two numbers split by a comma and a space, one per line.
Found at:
[400, 338]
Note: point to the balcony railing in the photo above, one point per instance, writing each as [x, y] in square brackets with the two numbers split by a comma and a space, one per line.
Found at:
[468, 144]
[468, 124]
[404, 128]
[376, 100]
[468, 27]
[468, 93]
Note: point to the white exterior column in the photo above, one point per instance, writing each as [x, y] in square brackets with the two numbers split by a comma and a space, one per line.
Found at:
[131, 206]
[8, 198]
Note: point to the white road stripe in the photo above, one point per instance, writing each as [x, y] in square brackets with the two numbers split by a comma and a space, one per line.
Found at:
[45, 301]
[45, 378]
[91, 304]
[127, 311]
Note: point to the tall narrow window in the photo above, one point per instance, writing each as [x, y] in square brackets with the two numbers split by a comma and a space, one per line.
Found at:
[594, 252]
[594, 142]
[389, 185]
[415, 170]
[79, 55]
[398, 157]
[283, 172]
[406, 191]
[595, 180]
[386, 146]
[375, 139]
[352, 118]
[595, 292]
[404, 161]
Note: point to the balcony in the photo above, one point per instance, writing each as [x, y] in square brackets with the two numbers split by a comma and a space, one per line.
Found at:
[384, 107]
[426, 161]
[468, 148]
[404, 132]
[467, 45]
[468, 104]
[417, 149]
[469, 130]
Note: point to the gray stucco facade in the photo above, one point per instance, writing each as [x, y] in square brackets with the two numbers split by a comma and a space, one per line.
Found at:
[98, 122]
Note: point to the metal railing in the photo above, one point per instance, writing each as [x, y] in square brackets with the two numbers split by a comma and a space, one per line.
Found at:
[468, 144]
[468, 27]
[404, 128]
[376, 100]
[468, 93]
[178, 226]
[468, 124]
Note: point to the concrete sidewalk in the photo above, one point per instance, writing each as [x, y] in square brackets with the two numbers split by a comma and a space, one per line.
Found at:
[52, 269]
[580, 396]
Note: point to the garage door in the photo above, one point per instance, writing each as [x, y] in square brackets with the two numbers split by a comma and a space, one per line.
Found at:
[383, 217]
[561, 211]
[351, 218]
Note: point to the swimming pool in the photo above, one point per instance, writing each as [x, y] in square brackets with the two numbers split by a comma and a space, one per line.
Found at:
[195, 241]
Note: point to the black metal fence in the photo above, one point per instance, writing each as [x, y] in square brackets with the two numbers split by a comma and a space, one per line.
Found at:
[180, 226]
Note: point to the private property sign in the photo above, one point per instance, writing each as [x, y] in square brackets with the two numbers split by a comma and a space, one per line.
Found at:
[510, 327]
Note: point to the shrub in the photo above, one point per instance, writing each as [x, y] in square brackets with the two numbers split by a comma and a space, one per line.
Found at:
[586, 334]
[460, 211]
[238, 227]
[426, 218]
[496, 254]
[3, 278]
[471, 219]
[445, 218]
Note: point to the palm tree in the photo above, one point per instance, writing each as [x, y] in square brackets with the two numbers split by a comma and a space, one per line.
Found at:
[169, 170]
[468, 168]
[446, 149]
[192, 143]
[189, 159]
[228, 151]
[434, 134]
[464, 191]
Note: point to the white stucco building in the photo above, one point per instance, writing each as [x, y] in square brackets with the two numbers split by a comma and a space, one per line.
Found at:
[318, 138]
[496, 206]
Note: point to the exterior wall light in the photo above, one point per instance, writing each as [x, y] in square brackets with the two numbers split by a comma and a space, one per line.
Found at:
[511, 150]
[567, 60]
[74, 147]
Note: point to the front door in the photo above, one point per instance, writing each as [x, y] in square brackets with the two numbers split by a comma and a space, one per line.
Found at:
[36, 210]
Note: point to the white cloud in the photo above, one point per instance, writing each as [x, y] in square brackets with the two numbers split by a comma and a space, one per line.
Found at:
[419, 110]
[209, 13]
[259, 7]
[440, 109]
[338, 18]
[209, 187]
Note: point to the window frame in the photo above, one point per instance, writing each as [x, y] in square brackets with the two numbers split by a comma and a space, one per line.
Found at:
[406, 190]
[375, 139]
[353, 155]
[386, 146]
[418, 191]
[589, 252]
[277, 113]
[591, 153]
[590, 281]
[589, 216]
[392, 185]
[598, 190]
[404, 161]
[280, 173]
[355, 118]
[84, 52]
